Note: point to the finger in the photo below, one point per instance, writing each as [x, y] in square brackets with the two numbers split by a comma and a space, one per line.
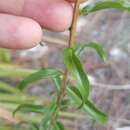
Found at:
[51, 14]
[18, 33]
[75, 0]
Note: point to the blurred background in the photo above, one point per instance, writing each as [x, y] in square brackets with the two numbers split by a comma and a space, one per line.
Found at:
[110, 80]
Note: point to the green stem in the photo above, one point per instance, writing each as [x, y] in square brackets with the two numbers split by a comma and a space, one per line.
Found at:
[18, 99]
[8, 88]
[23, 116]
[12, 71]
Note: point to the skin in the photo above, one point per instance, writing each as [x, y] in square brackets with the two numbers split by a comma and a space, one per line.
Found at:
[21, 21]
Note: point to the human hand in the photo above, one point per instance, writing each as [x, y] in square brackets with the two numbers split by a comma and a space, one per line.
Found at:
[21, 20]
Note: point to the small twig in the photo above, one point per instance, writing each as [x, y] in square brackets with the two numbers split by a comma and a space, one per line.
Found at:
[54, 41]
[111, 86]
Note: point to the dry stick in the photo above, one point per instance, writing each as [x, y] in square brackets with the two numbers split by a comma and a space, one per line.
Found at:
[51, 40]
[65, 77]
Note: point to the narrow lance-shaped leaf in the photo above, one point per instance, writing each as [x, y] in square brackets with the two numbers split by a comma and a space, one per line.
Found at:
[94, 112]
[41, 74]
[57, 81]
[64, 104]
[8, 88]
[75, 68]
[47, 116]
[113, 4]
[74, 92]
[58, 126]
[30, 108]
[81, 46]
[88, 107]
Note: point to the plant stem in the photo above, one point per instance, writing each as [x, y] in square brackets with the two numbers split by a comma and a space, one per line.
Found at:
[74, 24]
[65, 77]
[17, 99]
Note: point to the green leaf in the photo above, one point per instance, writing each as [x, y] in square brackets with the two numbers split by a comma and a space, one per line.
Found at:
[88, 107]
[57, 81]
[75, 68]
[33, 126]
[29, 108]
[74, 93]
[95, 113]
[102, 5]
[64, 104]
[59, 126]
[42, 74]
[47, 116]
[8, 88]
[81, 46]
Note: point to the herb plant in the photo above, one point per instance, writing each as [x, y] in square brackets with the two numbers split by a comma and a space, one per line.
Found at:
[72, 84]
